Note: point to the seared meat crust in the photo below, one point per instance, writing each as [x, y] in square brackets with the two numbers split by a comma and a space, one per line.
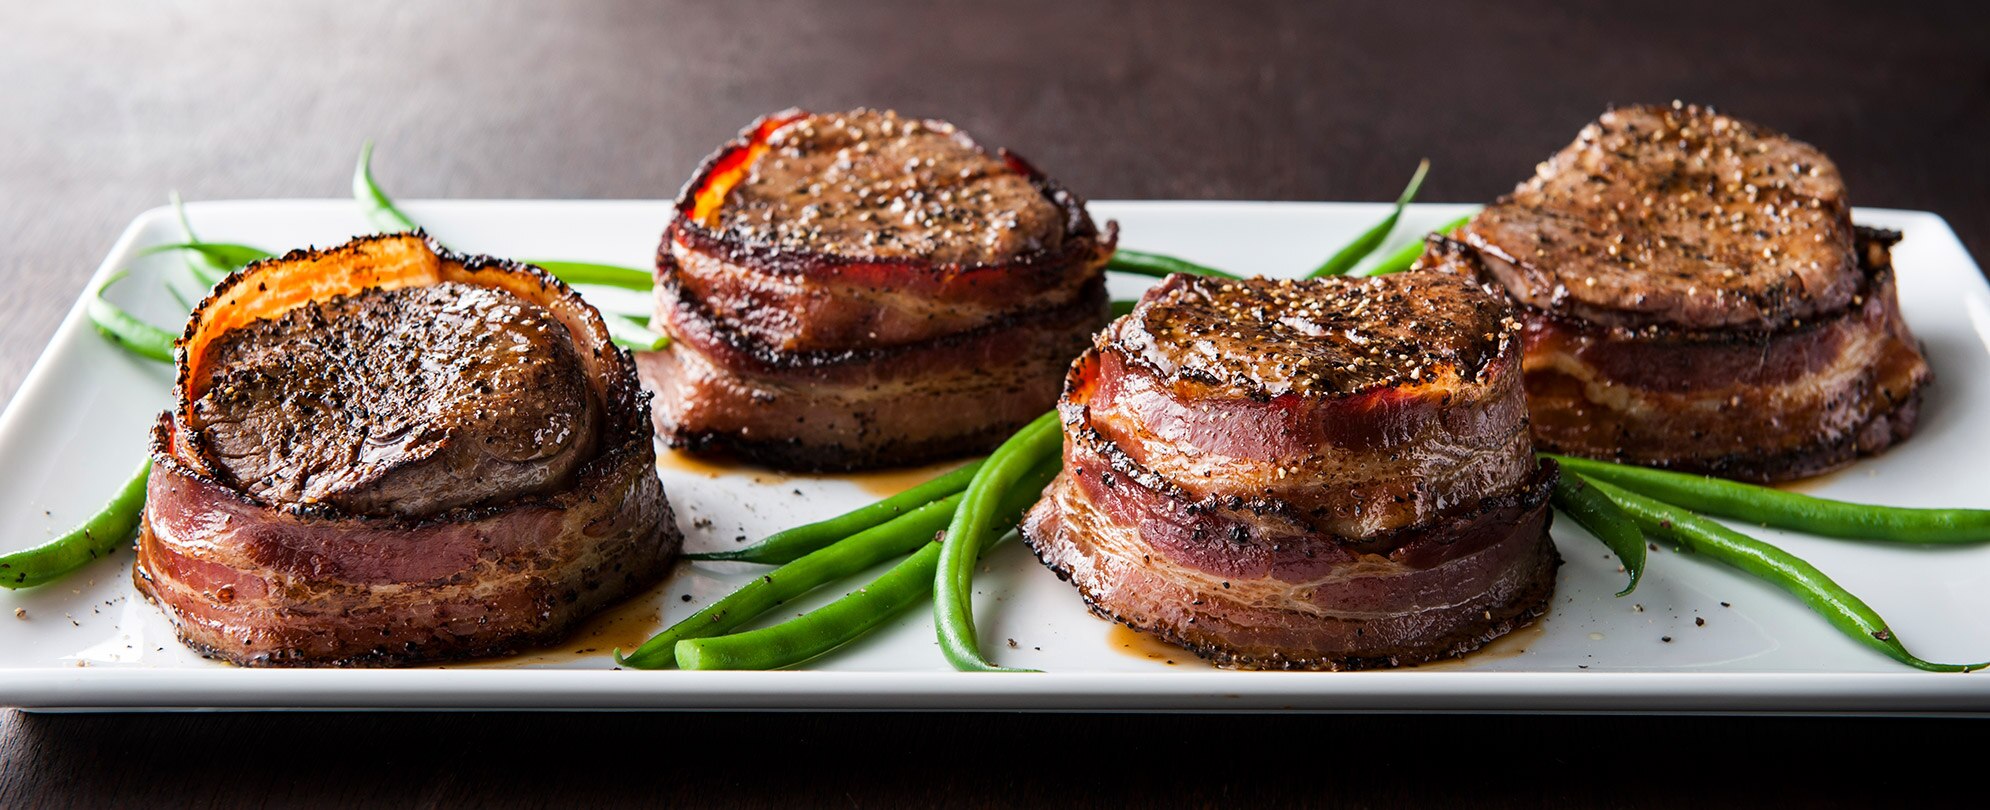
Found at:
[406, 402]
[1675, 216]
[872, 184]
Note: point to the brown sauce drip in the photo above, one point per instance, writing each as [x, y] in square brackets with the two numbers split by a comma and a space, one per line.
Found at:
[879, 483]
[625, 626]
[1810, 483]
[886, 483]
[716, 467]
[1140, 645]
[1511, 645]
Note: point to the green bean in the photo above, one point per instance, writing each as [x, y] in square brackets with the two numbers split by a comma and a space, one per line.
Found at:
[629, 333]
[848, 556]
[792, 544]
[637, 315]
[179, 296]
[223, 254]
[99, 535]
[1398, 261]
[838, 623]
[632, 334]
[204, 269]
[953, 594]
[1403, 259]
[180, 213]
[1775, 566]
[1121, 309]
[1158, 266]
[126, 330]
[1602, 518]
[1346, 258]
[606, 275]
[1789, 510]
[385, 215]
[374, 203]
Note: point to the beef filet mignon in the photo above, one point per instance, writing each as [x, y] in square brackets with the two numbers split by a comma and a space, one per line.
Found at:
[1697, 298]
[1329, 474]
[874, 184]
[385, 454]
[861, 289]
[399, 402]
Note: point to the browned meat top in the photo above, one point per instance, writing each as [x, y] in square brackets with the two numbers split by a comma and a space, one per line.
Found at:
[871, 184]
[1676, 215]
[1334, 337]
[406, 402]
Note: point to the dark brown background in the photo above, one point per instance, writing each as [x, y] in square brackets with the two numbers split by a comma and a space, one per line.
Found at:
[103, 107]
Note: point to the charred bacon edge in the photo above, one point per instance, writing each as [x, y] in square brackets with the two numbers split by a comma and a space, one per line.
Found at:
[694, 325]
[1873, 255]
[1044, 532]
[1074, 411]
[1878, 277]
[632, 567]
[794, 454]
[1522, 612]
[1789, 465]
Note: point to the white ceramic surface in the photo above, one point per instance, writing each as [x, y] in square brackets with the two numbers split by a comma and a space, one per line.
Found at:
[79, 421]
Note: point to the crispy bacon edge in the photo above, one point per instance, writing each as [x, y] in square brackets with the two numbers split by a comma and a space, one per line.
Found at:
[1723, 377]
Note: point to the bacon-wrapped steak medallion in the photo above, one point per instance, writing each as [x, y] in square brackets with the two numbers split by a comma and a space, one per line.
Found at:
[386, 454]
[1696, 297]
[1330, 474]
[859, 290]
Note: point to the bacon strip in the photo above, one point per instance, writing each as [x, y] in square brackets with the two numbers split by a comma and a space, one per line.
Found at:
[1760, 405]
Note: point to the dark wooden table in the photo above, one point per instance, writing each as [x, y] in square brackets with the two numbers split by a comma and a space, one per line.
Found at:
[102, 110]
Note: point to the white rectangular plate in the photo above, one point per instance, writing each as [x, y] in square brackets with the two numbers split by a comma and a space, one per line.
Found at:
[1694, 637]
